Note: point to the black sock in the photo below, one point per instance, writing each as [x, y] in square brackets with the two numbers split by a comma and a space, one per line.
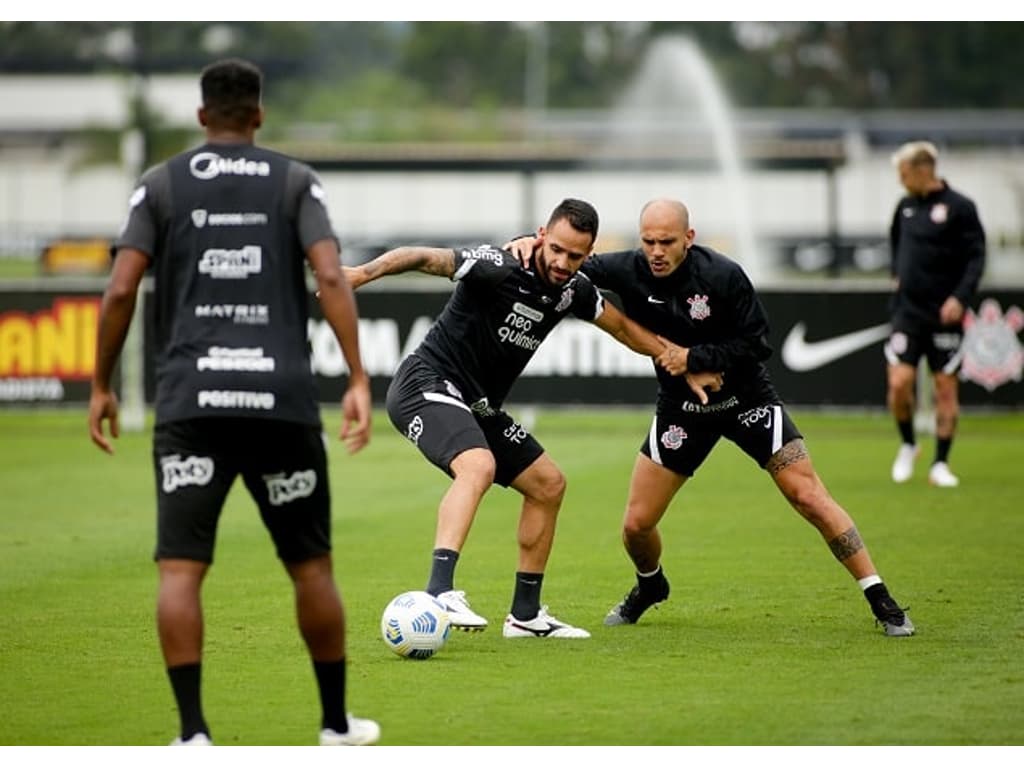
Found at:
[942, 446]
[185, 682]
[876, 594]
[442, 571]
[526, 598]
[330, 681]
[906, 429]
[652, 582]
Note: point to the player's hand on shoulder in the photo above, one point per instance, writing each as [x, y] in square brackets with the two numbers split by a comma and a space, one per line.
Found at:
[522, 248]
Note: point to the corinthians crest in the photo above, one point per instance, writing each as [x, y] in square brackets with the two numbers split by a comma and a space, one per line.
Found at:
[992, 353]
[699, 308]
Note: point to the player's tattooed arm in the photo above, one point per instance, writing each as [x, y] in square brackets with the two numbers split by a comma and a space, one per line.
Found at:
[846, 544]
[406, 258]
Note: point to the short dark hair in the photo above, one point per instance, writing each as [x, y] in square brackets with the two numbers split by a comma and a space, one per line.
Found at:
[580, 214]
[231, 90]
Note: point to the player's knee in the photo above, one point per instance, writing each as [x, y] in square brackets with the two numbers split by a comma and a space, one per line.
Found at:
[636, 525]
[811, 500]
[901, 380]
[476, 464]
[551, 488]
[945, 391]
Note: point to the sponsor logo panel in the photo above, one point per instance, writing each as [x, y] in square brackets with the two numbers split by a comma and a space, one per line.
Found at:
[42, 350]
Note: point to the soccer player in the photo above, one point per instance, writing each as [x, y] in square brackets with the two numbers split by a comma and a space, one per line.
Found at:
[447, 396]
[938, 256]
[701, 300]
[226, 229]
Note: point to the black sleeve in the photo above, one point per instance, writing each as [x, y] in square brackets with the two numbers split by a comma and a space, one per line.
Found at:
[894, 239]
[482, 264]
[306, 193]
[587, 303]
[596, 268]
[972, 247]
[147, 207]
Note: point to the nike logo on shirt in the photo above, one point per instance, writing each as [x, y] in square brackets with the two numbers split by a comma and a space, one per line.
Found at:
[801, 355]
[655, 301]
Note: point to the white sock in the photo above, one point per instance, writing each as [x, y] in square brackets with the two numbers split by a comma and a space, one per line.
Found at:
[869, 581]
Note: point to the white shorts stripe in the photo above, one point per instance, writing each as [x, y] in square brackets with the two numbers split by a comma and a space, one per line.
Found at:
[953, 365]
[437, 398]
[652, 442]
[890, 354]
[776, 428]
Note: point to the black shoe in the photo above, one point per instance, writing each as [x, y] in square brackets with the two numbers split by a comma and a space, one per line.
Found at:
[892, 618]
[635, 603]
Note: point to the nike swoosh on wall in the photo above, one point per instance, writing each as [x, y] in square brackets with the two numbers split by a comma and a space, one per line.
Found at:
[798, 354]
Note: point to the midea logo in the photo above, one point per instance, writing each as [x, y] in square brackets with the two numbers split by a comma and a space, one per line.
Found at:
[209, 165]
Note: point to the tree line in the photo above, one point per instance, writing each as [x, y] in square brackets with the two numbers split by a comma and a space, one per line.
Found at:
[344, 71]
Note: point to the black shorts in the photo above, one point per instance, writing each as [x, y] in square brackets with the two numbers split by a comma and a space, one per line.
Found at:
[681, 437]
[283, 464]
[429, 410]
[941, 348]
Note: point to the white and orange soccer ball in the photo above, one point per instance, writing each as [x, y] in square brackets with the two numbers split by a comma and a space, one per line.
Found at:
[415, 625]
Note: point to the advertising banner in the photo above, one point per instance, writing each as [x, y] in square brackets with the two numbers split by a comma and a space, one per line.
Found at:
[47, 345]
[827, 349]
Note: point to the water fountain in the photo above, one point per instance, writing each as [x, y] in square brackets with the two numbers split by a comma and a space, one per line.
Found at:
[675, 98]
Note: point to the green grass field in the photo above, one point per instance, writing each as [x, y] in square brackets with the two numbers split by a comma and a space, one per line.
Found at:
[765, 640]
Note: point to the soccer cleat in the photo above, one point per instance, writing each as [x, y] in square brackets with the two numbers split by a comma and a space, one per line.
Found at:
[940, 476]
[542, 625]
[195, 740]
[461, 615]
[360, 733]
[892, 618]
[635, 603]
[903, 466]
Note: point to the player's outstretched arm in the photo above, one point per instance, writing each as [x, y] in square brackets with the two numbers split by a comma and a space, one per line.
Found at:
[669, 356]
[405, 258]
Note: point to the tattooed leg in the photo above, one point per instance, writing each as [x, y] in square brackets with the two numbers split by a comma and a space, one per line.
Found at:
[789, 454]
[846, 544]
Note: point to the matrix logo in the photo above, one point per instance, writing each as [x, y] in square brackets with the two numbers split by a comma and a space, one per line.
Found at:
[242, 314]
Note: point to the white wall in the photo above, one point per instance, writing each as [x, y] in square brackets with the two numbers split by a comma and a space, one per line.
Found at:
[44, 192]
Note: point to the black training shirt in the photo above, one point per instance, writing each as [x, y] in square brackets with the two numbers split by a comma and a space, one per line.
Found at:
[496, 318]
[938, 251]
[226, 228]
[708, 305]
